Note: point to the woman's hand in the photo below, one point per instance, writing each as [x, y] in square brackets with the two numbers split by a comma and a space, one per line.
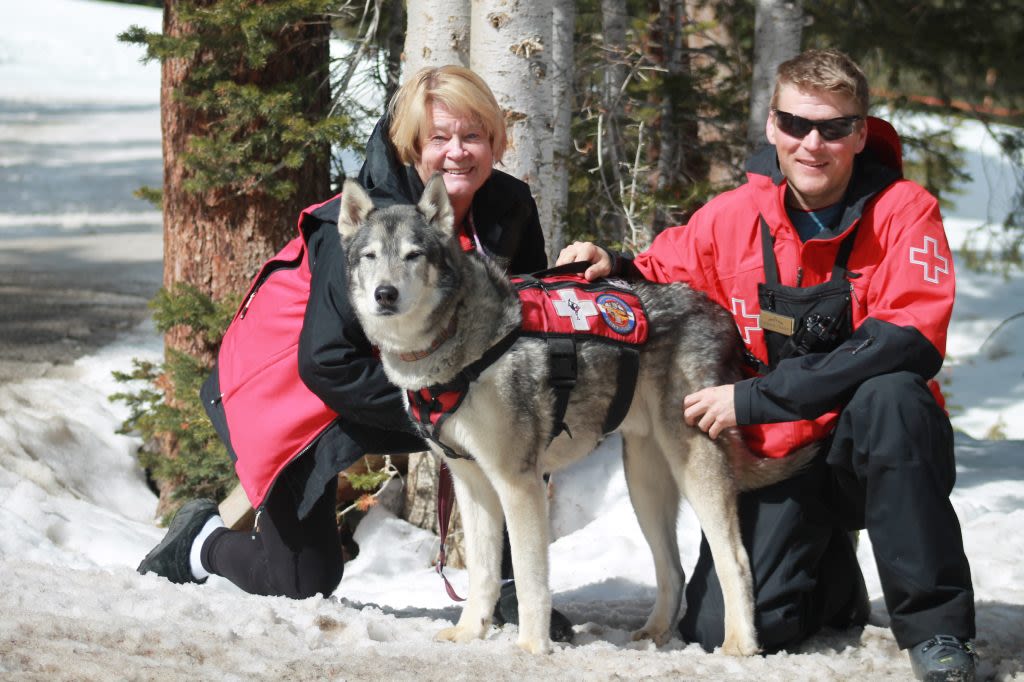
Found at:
[589, 253]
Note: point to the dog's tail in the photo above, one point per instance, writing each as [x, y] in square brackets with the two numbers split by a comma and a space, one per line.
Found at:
[753, 472]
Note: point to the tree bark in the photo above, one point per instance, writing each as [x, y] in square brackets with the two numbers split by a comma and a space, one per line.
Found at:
[511, 49]
[437, 34]
[778, 25]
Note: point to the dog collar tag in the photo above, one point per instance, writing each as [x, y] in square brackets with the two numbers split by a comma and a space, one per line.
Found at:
[773, 322]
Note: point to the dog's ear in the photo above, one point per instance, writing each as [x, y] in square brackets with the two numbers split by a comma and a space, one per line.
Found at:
[356, 204]
[436, 207]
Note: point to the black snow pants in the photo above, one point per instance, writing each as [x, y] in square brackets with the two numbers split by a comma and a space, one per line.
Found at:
[888, 468]
[284, 555]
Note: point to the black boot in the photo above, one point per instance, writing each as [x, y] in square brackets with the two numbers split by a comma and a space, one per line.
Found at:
[507, 611]
[170, 559]
[943, 657]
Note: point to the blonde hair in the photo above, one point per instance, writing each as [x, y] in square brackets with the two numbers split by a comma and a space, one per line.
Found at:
[460, 91]
[824, 70]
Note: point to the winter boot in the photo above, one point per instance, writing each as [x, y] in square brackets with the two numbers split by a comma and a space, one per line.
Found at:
[507, 611]
[943, 657]
[170, 558]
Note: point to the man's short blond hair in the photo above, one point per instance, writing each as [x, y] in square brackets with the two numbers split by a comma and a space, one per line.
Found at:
[824, 70]
[460, 91]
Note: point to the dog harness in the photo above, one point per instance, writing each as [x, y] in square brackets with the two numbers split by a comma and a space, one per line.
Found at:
[560, 307]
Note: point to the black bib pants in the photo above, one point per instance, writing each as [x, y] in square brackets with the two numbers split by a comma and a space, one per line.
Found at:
[887, 468]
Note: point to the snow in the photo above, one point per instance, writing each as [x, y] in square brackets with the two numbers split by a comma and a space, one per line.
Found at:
[78, 113]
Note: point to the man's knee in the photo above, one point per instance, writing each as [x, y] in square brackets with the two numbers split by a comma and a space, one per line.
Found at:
[893, 422]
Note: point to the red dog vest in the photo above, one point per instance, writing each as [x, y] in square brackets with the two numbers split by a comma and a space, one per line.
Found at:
[559, 306]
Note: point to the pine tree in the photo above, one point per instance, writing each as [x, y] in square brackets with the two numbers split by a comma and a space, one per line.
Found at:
[245, 95]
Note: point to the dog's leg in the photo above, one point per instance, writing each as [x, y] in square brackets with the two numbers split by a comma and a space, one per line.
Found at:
[708, 484]
[655, 497]
[482, 523]
[524, 499]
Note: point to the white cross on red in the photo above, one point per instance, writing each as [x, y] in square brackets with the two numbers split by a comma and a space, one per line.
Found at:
[742, 314]
[571, 306]
[930, 260]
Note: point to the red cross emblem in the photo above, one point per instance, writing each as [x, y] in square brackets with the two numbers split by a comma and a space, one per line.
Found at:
[572, 307]
[741, 314]
[927, 256]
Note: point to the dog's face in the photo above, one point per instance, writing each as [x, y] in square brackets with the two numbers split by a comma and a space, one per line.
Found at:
[399, 260]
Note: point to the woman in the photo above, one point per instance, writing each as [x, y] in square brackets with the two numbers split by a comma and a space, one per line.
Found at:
[442, 120]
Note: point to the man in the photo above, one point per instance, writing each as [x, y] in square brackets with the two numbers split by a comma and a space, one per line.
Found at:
[840, 279]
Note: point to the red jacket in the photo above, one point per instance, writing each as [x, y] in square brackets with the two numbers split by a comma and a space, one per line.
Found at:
[903, 286]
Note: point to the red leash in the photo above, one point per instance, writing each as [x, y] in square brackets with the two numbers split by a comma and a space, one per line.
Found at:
[445, 503]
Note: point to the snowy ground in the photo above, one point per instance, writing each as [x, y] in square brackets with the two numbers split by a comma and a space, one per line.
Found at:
[79, 128]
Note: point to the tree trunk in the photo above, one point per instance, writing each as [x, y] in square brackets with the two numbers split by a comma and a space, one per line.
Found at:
[778, 25]
[511, 49]
[705, 44]
[562, 78]
[437, 34]
[677, 131]
[614, 173]
[216, 239]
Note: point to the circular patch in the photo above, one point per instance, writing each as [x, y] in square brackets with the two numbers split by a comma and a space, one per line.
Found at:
[616, 313]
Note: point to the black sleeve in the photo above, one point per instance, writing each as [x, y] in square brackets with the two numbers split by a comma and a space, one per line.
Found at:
[809, 386]
[336, 361]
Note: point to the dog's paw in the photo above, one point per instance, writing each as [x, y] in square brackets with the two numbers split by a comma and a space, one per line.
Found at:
[740, 646]
[459, 634]
[535, 646]
[659, 636]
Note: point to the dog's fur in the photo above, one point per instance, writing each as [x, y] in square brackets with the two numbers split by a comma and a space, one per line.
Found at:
[408, 276]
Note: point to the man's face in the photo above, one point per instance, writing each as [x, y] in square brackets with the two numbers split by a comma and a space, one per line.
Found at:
[817, 170]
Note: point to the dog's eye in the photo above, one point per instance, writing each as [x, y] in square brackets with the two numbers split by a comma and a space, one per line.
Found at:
[369, 255]
[413, 255]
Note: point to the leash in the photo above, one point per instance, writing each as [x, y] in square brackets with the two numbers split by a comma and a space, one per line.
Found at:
[445, 503]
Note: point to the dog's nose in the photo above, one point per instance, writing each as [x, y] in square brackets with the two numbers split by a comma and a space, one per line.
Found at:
[385, 295]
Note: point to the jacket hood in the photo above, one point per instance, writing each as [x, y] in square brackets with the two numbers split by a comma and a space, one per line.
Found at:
[383, 176]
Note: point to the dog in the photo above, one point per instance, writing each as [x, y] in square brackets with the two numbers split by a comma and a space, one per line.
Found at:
[433, 310]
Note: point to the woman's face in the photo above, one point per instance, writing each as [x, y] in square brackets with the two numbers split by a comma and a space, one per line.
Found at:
[459, 148]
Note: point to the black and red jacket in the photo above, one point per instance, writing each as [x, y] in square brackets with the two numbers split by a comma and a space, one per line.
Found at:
[297, 375]
[902, 280]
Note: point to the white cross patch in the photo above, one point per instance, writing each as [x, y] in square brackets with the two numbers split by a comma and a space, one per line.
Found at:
[928, 258]
[578, 310]
[742, 313]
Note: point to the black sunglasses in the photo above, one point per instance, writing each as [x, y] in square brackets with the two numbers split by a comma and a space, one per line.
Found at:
[799, 127]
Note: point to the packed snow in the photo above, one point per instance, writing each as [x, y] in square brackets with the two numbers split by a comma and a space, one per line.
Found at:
[76, 516]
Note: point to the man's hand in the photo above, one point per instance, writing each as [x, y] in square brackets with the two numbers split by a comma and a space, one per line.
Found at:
[590, 253]
[712, 409]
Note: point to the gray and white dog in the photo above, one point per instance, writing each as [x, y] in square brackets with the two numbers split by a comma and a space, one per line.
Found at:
[433, 310]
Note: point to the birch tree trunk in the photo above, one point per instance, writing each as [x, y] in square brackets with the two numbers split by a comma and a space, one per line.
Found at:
[511, 49]
[778, 25]
[437, 34]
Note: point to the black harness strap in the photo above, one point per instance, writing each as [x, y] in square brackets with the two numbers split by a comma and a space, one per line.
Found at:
[625, 387]
[799, 344]
[460, 385]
